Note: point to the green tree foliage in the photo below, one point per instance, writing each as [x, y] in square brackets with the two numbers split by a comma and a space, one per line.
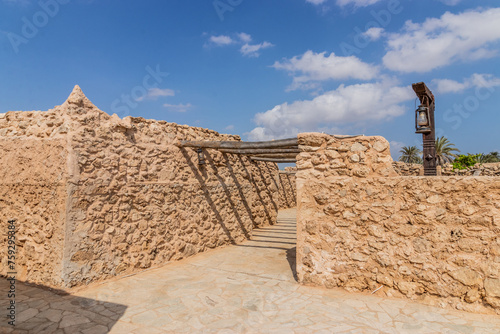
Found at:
[490, 157]
[444, 151]
[464, 161]
[410, 155]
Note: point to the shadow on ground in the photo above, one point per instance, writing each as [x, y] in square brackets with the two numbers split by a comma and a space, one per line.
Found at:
[41, 310]
[282, 236]
[291, 257]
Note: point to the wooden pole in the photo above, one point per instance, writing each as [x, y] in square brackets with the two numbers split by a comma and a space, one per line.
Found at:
[274, 160]
[240, 144]
[429, 139]
[277, 155]
[261, 151]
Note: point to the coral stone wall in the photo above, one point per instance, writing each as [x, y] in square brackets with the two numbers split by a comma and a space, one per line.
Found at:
[33, 193]
[433, 239]
[287, 189]
[142, 201]
[127, 197]
[486, 169]
[405, 169]
[360, 156]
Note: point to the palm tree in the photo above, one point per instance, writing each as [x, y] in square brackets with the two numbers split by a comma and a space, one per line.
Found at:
[410, 155]
[495, 156]
[490, 157]
[444, 149]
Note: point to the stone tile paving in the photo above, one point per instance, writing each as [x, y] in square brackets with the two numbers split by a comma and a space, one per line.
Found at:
[247, 288]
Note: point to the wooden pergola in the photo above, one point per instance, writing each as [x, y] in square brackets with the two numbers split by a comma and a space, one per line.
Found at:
[279, 151]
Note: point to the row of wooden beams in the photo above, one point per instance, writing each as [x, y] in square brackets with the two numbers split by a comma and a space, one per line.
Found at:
[277, 155]
[241, 144]
[277, 160]
[262, 151]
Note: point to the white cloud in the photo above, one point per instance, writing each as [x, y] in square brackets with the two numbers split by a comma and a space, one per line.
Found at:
[178, 107]
[356, 3]
[441, 41]
[444, 86]
[246, 38]
[449, 86]
[485, 80]
[316, 2]
[252, 50]
[243, 39]
[366, 3]
[221, 40]
[451, 2]
[374, 33]
[155, 93]
[312, 67]
[356, 104]
[229, 127]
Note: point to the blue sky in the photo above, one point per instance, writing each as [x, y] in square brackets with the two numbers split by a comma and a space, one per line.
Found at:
[263, 69]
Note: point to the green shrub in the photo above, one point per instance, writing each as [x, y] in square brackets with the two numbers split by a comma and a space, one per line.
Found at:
[465, 161]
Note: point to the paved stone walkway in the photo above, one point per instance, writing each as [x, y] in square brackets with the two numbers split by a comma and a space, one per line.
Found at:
[248, 288]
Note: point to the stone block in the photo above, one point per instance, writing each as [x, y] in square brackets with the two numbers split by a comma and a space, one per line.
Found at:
[492, 287]
[467, 277]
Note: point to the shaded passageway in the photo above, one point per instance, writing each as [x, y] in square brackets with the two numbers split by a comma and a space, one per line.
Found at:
[248, 288]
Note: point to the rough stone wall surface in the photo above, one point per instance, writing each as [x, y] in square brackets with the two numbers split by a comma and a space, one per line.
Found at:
[33, 193]
[131, 198]
[486, 169]
[287, 188]
[361, 156]
[433, 239]
[405, 169]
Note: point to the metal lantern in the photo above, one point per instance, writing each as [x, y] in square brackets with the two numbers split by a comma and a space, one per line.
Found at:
[422, 120]
[201, 157]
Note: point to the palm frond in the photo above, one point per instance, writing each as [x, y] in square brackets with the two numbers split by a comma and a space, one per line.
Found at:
[444, 151]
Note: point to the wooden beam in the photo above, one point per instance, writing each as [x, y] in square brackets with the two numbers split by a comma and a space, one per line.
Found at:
[422, 90]
[261, 151]
[240, 144]
[277, 155]
[277, 160]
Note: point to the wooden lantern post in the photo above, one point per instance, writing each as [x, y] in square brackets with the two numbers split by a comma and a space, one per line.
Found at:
[425, 124]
